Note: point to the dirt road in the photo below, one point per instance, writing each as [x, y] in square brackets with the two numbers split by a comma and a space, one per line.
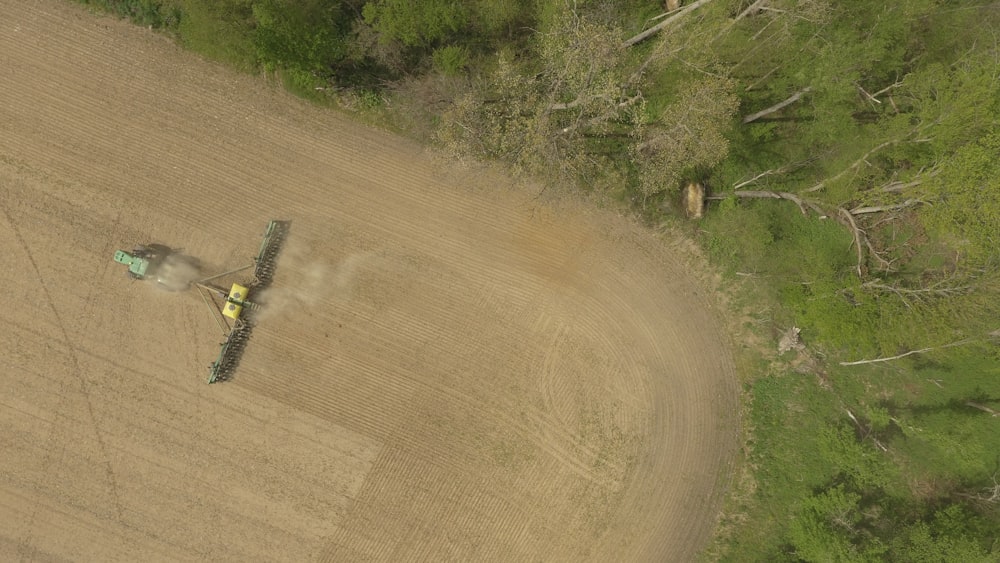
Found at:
[447, 369]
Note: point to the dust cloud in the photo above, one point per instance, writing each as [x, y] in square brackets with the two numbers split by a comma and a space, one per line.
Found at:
[177, 273]
[305, 282]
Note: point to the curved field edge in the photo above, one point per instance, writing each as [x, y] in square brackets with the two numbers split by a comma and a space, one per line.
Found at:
[403, 391]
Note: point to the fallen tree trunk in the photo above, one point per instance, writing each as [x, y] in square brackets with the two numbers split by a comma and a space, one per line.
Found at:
[905, 294]
[864, 157]
[843, 216]
[982, 407]
[804, 205]
[881, 208]
[859, 237]
[905, 354]
[778, 106]
[665, 23]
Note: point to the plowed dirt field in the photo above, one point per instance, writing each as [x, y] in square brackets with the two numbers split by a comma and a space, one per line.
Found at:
[447, 368]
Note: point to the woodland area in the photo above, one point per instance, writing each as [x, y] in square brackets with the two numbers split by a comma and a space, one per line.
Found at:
[850, 150]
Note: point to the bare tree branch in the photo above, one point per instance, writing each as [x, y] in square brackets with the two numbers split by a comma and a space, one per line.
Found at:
[860, 242]
[567, 105]
[665, 23]
[881, 208]
[762, 78]
[982, 407]
[874, 97]
[751, 8]
[804, 205]
[599, 118]
[870, 97]
[778, 106]
[858, 162]
[886, 89]
[771, 172]
[989, 494]
[859, 238]
[864, 157]
[896, 186]
[757, 177]
[911, 352]
[905, 294]
[891, 289]
[884, 265]
[866, 431]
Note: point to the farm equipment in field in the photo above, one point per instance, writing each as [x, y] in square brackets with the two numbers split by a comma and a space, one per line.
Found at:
[158, 263]
[232, 308]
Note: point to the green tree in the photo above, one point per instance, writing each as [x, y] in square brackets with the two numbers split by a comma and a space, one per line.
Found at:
[687, 136]
[826, 529]
[221, 30]
[451, 60]
[947, 538]
[966, 199]
[307, 35]
[416, 24]
[552, 114]
[155, 13]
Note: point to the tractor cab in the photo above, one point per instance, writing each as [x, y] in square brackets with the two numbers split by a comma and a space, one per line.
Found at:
[137, 266]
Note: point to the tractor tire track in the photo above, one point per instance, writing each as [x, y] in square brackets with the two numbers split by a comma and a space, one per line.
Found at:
[75, 370]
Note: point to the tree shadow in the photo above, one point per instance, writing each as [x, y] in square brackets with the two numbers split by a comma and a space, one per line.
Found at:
[974, 404]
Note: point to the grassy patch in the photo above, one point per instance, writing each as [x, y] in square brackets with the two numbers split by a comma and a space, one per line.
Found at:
[159, 14]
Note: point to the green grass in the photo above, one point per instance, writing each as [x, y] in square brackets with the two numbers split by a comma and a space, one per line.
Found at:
[220, 31]
[783, 445]
[159, 14]
[804, 447]
[829, 487]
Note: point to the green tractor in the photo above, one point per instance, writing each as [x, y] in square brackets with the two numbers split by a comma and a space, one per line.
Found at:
[169, 270]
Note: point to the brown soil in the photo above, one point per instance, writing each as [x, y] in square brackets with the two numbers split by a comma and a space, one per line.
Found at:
[448, 369]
